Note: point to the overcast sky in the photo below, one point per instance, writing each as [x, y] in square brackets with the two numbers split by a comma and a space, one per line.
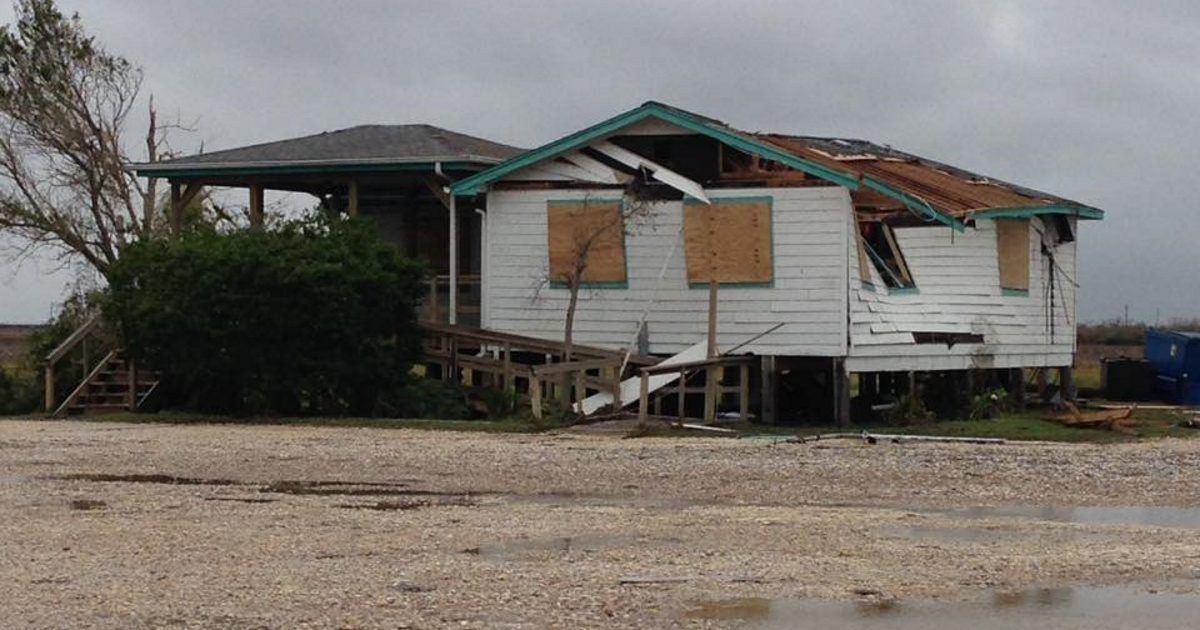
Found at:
[1097, 100]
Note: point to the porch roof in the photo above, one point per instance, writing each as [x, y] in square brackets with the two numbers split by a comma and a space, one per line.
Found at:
[361, 149]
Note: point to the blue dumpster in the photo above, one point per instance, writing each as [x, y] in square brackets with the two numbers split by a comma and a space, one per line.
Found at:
[1175, 358]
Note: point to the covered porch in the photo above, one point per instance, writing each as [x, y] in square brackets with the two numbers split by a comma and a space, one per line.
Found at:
[396, 175]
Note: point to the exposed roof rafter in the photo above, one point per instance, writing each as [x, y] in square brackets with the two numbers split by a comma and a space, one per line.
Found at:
[657, 171]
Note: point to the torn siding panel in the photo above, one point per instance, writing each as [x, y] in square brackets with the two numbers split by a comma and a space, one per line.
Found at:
[958, 283]
[808, 294]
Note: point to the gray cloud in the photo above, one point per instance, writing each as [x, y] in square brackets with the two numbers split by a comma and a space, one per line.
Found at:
[1090, 100]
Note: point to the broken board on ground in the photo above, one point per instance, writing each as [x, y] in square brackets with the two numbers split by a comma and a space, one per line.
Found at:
[631, 388]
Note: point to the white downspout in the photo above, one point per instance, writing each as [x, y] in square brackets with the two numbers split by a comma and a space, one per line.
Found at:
[453, 319]
[484, 263]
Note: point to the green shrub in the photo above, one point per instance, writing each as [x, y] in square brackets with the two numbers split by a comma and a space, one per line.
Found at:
[428, 398]
[315, 317]
[988, 405]
[19, 392]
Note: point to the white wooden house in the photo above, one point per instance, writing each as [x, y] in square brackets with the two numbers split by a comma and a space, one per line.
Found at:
[869, 259]
[858, 258]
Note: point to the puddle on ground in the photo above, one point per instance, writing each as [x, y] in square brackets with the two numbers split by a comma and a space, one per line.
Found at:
[1078, 608]
[302, 488]
[426, 500]
[155, 479]
[251, 500]
[339, 488]
[514, 549]
[87, 504]
[1150, 516]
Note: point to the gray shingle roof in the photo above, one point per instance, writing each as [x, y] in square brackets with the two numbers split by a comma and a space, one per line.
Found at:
[365, 144]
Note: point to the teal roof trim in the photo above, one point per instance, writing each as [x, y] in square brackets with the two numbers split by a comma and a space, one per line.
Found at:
[476, 183]
[918, 206]
[1083, 212]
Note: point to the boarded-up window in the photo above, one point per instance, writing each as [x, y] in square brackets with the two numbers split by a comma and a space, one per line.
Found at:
[1012, 244]
[589, 230]
[729, 241]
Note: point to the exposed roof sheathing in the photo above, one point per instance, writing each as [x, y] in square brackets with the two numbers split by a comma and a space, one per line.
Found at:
[953, 191]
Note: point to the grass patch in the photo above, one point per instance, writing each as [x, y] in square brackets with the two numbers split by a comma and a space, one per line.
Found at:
[1020, 427]
[1087, 377]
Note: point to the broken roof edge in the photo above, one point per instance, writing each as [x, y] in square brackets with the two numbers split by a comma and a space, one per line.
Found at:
[915, 204]
[1024, 212]
[681, 118]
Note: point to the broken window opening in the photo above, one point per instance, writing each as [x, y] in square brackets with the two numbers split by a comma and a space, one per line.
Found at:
[880, 244]
[1062, 229]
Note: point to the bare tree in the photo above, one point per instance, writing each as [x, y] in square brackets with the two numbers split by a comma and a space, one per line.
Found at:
[632, 213]
[64, 105]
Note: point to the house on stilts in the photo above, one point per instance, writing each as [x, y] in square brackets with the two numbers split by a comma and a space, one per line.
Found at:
[860, 259]
[831, 258]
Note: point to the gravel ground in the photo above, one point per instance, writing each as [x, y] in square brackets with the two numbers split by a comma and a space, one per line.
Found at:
[139, 526]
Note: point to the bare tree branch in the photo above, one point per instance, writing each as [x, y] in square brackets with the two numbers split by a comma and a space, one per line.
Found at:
[64, 104]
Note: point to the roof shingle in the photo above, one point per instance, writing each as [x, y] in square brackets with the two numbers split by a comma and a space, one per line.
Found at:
[366, 144]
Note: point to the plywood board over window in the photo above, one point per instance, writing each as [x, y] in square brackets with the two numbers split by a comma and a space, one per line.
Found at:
[729, 241]
[591, 228]
[1012, 247]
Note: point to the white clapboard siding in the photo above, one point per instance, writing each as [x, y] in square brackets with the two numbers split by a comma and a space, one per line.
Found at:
[808, 295]
[958, 281]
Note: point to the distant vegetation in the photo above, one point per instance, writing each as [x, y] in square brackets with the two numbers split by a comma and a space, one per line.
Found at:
[1118, 333]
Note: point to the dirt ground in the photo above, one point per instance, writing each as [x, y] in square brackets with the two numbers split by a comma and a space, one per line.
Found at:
[158, 526]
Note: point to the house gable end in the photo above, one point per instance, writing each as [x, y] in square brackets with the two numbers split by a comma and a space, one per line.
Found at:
[686, 121]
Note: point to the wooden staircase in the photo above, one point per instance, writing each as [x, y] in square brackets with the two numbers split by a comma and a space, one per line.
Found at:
[113, 383]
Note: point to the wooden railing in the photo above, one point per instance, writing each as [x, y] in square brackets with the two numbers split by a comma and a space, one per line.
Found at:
[85, 343]
[436, 307]
[571, 382]
[525, 366]
[716, 370]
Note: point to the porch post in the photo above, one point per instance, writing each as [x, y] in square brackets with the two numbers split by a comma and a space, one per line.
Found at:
[353, 194]
[176, 209]
[453, 302]
[256, 206]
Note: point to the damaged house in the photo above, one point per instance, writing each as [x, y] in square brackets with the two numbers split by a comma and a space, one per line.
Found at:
[860, 259]
[831, 258]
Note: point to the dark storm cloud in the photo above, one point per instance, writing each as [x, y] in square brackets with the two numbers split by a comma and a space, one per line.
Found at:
[1094, 101]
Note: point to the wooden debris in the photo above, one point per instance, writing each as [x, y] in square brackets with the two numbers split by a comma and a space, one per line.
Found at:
[705, 427]
[1120, 421]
